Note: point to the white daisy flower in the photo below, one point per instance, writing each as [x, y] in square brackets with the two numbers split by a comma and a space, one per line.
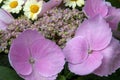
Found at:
[1, 1]
[13, 6]
[32, 8]
[74, 3]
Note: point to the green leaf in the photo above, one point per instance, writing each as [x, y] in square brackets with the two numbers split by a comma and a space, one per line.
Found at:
[8, 74]
[115, 3]
[61, 77]
[4, 60]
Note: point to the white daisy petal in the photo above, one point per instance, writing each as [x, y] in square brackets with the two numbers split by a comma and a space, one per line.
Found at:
[13, 6]
[74, 3]
[32, 8]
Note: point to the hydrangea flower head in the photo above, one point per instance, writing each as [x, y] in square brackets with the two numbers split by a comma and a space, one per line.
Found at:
[5, 19]
[32, 8]
[83, 51]
[74, 3]
[13, 6]
[34, 57]
[100, 7]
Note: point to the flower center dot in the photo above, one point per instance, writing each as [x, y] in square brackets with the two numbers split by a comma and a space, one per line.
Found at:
[13, 4]
[31, 61]
[34, 8]
[90, 51]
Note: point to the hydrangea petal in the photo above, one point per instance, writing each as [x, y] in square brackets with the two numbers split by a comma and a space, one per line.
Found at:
[76, 50]
[6, 17]
[19, 58]
[113, 17]
[36, 76]
[3, 26]
[111, 59]
[95, 7]
[29, 36]
[97, 32]
[93, 62]
[49, 58]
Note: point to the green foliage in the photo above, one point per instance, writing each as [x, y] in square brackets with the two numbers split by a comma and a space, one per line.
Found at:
[115, 3]
[8, 74]
[61, 77]
[4, 60]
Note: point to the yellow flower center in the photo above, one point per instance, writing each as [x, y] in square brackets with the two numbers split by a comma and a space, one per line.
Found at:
[13, 4]
[74, 0]
[34, 8]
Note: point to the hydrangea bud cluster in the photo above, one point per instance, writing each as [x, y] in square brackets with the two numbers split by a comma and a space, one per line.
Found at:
[58, 25]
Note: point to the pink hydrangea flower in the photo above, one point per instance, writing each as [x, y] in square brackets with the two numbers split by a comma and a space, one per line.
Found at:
[5, 19]
[111, 59]
[35, 58]
[83, 52]
[100, 7]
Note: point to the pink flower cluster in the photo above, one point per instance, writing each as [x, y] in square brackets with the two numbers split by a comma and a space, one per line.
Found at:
[93, 49]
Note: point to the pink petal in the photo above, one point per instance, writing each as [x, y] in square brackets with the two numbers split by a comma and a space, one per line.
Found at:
[76, 50]
[36, 76]
[111, 59]
[6, 17]
[113, 17]
[19, 58]
[3, 26]
[39, 49]
[95, 7]
[49, 58]
[29, 36]
[93, 62]
[96, 31]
